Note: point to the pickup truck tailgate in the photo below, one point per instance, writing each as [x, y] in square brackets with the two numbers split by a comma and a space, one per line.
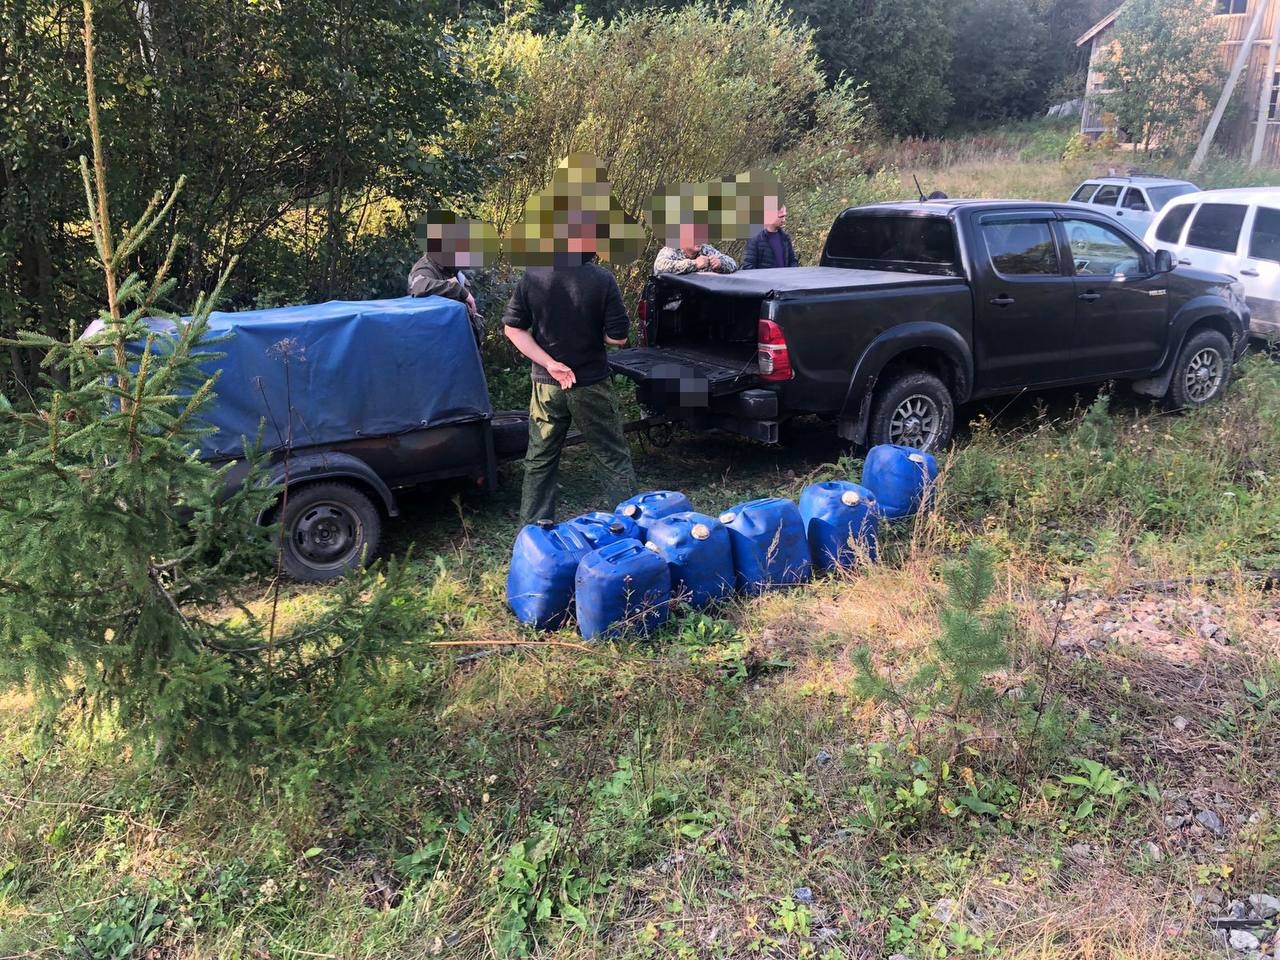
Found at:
[685, 377]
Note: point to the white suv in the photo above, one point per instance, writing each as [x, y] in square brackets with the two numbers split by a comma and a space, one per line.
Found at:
[1229, 231]
[1133, 201]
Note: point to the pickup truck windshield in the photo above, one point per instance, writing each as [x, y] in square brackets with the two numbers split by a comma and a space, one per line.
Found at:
[911, 244]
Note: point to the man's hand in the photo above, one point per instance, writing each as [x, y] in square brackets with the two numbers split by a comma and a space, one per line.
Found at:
[471, 305]
[701, 262]
[563, 375]
[715, 263]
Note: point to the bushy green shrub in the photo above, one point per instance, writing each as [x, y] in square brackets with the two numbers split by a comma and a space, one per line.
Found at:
[123, 557]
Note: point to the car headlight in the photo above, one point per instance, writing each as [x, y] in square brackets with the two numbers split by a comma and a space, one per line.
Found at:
[1237, 290]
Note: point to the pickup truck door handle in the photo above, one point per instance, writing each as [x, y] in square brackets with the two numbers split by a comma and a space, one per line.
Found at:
[1185, 263]
[1248, 273]
[1002, 301]
[1089, 296]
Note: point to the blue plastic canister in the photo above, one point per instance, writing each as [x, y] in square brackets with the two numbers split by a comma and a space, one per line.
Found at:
[602, 529]
[841, 522]
[540, 580]
[623, 586]
[769, 544]
[901, 478]
[699, 555]
[645, 508]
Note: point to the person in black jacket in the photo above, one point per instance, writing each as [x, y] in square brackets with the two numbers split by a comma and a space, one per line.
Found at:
[771, 247]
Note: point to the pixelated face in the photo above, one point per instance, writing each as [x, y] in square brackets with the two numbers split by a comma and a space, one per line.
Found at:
[713, 212]
[775, 213]
[457, 242]
[692, 237]
[574, 218]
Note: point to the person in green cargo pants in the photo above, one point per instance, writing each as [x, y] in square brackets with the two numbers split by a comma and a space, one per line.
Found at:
[562, 318]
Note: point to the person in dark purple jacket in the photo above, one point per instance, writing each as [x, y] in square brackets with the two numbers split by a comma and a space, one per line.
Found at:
[771, 247]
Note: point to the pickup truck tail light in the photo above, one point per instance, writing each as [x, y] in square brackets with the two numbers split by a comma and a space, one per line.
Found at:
[642, 320]
[771, 352]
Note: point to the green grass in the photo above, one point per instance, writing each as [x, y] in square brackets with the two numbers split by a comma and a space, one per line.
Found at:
[668, 799]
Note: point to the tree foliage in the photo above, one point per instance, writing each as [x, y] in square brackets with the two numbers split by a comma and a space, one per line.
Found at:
[1162, 68]
[121, 553]
[303, 131]
[972, 644]
[662, 97]
[898, 51]
[997, 69]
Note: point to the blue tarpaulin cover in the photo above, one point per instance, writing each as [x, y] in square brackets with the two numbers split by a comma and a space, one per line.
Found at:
[356, 369]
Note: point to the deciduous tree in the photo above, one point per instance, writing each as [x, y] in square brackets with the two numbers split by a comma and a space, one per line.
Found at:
[1161, 68]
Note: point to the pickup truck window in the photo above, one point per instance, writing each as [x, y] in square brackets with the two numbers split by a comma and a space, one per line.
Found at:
[1099, 251]
[902, 243]
[1264, 242]
[1217, 227]
[1020, 248]
[1170, 229]
[1084, 193]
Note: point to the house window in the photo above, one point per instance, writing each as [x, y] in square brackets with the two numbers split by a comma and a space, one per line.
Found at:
[1275, 95]
[1233, 6]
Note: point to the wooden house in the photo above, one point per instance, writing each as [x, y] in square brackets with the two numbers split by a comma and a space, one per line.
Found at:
[1250, 43]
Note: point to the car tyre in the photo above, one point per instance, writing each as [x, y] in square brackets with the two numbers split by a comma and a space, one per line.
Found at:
[913, 409]
[510, 434]
[328, 530]
[1202, 371]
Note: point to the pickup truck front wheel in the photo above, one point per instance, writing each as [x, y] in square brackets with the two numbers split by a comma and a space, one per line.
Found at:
[913, 409]
[1202, 372]
[328, 529]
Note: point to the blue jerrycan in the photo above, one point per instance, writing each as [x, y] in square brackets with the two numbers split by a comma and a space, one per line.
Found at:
[540, 580]
[769, 545]
[699, 555]
[645, 508]
[901, 478]
[841, 522]
[620, 587]
[602, 529]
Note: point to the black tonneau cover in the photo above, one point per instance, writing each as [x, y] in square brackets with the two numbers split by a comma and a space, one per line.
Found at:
[791, 283]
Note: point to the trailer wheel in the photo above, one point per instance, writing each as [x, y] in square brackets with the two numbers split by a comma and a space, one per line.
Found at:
[328, 529]
[661, 434]
[510, 434]
[914, 409]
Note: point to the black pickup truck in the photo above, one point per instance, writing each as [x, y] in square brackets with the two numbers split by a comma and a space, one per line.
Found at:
[919, 306]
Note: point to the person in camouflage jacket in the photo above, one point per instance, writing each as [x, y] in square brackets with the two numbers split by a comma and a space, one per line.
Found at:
[694, 258]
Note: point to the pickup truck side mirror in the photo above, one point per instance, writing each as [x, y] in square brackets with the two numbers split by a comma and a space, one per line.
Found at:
[1164, 261]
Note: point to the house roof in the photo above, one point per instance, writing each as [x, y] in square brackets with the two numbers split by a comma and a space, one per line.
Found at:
[1098, 27]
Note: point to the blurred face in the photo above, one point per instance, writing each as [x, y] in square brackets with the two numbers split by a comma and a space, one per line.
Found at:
[775, 214]
[582, 233]
[692, 237]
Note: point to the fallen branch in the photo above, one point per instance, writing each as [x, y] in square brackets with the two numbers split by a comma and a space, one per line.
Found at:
[1265, 579]
[515, 643]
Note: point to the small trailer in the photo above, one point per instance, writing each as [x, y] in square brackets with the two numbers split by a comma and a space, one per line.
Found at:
[353, 401]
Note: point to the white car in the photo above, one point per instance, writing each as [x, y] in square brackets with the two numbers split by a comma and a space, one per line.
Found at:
[1133, 201]
[1229, 231]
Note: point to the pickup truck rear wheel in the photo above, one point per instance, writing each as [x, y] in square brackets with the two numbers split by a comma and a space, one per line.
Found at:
[328, 529]
[1202, 372]
[914, 409]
